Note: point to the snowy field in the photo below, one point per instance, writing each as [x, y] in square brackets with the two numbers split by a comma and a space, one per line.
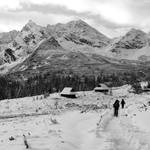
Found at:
[85, 123]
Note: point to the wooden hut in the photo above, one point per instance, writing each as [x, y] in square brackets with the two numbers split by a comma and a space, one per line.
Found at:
[102, 88]
[68, 92]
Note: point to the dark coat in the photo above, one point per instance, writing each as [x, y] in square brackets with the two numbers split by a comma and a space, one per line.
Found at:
[116, 105]
[123, 102]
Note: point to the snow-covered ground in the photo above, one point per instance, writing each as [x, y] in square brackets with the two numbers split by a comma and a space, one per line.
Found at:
[85, 123]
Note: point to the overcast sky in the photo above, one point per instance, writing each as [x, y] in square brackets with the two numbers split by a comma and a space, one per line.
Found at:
[111, 17]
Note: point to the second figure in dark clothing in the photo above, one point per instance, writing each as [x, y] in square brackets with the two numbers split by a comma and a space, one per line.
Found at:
[116, 106]
[123, 103]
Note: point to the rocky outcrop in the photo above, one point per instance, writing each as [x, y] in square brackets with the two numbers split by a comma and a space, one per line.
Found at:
[78, 32]
[9, 56]
[134, 39]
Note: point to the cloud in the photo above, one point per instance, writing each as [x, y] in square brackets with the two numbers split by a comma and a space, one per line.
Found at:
[9, 4]
[16, 20]
[63, 10]
[112, 17]
[140, 11]
[47, 9]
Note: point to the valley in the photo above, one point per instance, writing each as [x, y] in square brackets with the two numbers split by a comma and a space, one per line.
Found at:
[83, 123]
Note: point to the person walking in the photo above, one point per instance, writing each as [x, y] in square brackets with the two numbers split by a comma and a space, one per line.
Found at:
[123, 103]
[116, 106]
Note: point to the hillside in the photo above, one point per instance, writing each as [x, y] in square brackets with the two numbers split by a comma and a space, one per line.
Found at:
[7, 37]
[134, 45]
[75, 36]
[50, 56]
[44, 59]
[50, 68]
[78, 32]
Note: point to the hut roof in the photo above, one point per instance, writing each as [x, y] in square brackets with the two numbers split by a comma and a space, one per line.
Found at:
[67, 90]
[102, 87]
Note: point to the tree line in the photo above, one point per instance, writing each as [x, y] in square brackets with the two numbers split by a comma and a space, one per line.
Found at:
[55, 82]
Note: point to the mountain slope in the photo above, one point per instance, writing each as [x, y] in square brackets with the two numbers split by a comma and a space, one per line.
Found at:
[73, 47]
[21, 43]
[7, 37]
[28, 38]
[134, 39]
[132, 45]
[50, 57]
[73, 36]
[78, 32]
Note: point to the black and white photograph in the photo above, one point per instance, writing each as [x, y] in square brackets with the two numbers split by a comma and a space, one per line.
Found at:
[74, 74]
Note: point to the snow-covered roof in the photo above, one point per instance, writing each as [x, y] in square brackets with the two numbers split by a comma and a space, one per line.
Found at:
[102, 87]
[67, 90]
[144, 84]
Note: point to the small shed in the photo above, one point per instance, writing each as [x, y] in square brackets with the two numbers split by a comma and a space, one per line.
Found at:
[145, 86]
[68, 92]
[102, 88]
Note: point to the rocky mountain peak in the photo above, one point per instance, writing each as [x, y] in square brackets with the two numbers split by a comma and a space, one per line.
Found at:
[78, 23]
[135, 32]
[78, 32]
[9, 55]
[30, 25]
[50, 43]
[7, 37]
[134, 39]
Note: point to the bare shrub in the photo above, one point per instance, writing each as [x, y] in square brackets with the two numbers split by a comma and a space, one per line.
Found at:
[25, 142]
[54, 121]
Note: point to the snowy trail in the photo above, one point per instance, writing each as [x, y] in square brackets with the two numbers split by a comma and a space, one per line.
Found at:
[77, 131]
[83, 133]
[80, 131]
[116, 136]
[122, 135]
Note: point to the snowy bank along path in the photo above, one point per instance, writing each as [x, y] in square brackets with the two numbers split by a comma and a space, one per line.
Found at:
[129, 131]
[87, 132]
[103, 131]
[90, 130]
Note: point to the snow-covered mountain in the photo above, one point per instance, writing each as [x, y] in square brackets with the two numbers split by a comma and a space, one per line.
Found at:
[7, 37]
[28, 38]
[133, 45]
[76, 41]
[78, 32]
[134, 39]
[75, 34]
[21, 43]
[51, 57]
